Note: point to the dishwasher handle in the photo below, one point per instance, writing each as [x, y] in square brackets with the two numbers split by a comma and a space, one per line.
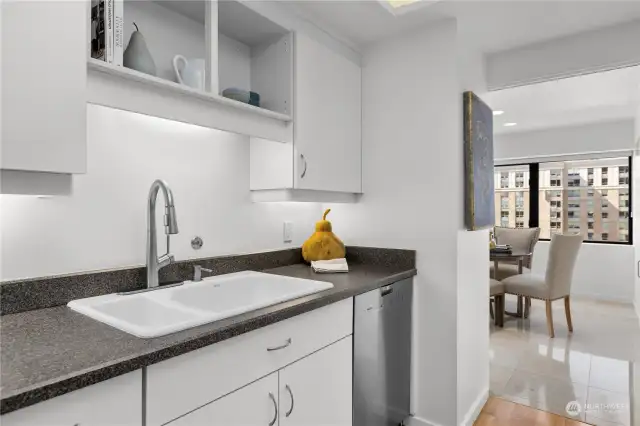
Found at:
[385, 291]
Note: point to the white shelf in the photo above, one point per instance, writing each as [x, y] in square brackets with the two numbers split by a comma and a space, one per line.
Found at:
[160, 84]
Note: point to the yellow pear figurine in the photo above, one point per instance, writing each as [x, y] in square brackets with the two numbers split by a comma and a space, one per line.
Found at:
[323, 244]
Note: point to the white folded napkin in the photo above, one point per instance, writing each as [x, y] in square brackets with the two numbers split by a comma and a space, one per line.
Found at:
[327, 266]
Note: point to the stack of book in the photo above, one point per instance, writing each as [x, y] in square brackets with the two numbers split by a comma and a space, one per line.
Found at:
[107, 30]
[501, 249]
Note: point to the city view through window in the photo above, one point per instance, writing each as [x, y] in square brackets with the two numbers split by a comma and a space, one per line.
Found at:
[590, 197]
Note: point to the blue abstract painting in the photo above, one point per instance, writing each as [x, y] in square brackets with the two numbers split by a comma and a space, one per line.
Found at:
[478, 149]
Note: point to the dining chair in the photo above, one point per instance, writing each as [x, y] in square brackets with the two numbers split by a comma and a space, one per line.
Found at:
[496, 291]
[520, 240]
[556, 282]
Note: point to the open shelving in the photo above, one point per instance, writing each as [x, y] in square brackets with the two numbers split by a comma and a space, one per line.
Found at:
[242, 49]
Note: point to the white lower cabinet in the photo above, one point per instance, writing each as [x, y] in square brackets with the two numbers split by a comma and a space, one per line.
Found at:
[313, 391]
[254, 404]
[116, 401]
[317, 390]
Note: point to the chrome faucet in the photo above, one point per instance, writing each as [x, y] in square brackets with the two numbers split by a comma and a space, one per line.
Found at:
[197, 272]
[155, 263]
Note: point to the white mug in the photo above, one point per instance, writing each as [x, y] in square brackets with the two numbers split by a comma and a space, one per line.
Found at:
[189, 72]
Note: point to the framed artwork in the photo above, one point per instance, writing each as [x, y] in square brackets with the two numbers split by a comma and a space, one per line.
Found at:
[478, 153]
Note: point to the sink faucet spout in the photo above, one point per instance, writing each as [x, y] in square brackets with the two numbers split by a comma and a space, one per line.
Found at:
[155, 263]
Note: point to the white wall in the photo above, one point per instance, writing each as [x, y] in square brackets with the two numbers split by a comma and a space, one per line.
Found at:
[590, 51]
[412, 142]
[103, 224]
[595, 137]
[602, 271]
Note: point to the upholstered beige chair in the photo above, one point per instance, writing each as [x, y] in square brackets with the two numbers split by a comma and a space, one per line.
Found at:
[520, 240]
[496, 291]
[556, 283]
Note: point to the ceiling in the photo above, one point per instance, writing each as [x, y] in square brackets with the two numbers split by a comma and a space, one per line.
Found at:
[487, 26]
[606, 96]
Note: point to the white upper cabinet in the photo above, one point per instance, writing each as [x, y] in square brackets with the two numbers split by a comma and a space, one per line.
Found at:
[327, 131]
[324, 160]
[44, 54]
[116, 401]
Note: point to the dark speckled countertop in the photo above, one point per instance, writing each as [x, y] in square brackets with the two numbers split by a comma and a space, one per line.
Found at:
[50, 352]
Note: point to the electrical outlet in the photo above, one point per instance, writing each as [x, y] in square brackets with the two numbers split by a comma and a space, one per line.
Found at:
[287, 232]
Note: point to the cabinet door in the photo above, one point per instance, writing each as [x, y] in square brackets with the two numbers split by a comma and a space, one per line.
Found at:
[317, 390]
[327, 119]
[117, 401]
[44, 73]
[255, 404]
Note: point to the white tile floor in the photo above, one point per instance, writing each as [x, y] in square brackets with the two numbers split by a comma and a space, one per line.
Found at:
[598, 365]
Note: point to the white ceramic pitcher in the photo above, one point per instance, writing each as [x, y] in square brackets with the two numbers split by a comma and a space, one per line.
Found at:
[189, 72]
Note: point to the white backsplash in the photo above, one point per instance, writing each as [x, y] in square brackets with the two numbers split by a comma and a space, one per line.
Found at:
[103, 224]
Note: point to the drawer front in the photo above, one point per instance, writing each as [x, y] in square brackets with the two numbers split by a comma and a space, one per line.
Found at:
[184, 383]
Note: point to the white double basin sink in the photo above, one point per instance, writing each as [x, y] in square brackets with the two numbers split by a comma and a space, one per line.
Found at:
[164, 311]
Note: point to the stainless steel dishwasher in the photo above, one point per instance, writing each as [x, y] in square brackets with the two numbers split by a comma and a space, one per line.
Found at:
[382, 355]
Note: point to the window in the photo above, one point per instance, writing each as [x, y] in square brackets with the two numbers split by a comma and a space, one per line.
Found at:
[504, 202]
[605, 236]
[512, 196]
[519, 224]
[562, 196]
[504, 180]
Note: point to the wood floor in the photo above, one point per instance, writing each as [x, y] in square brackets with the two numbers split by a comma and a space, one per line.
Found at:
[500, 412]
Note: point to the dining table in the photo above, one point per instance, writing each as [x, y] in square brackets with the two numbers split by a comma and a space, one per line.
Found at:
[514, 257]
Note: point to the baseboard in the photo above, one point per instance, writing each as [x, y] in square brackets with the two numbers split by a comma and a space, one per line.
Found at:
[418, 421]
[601, 297]
[469, 418]
[475, 409]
